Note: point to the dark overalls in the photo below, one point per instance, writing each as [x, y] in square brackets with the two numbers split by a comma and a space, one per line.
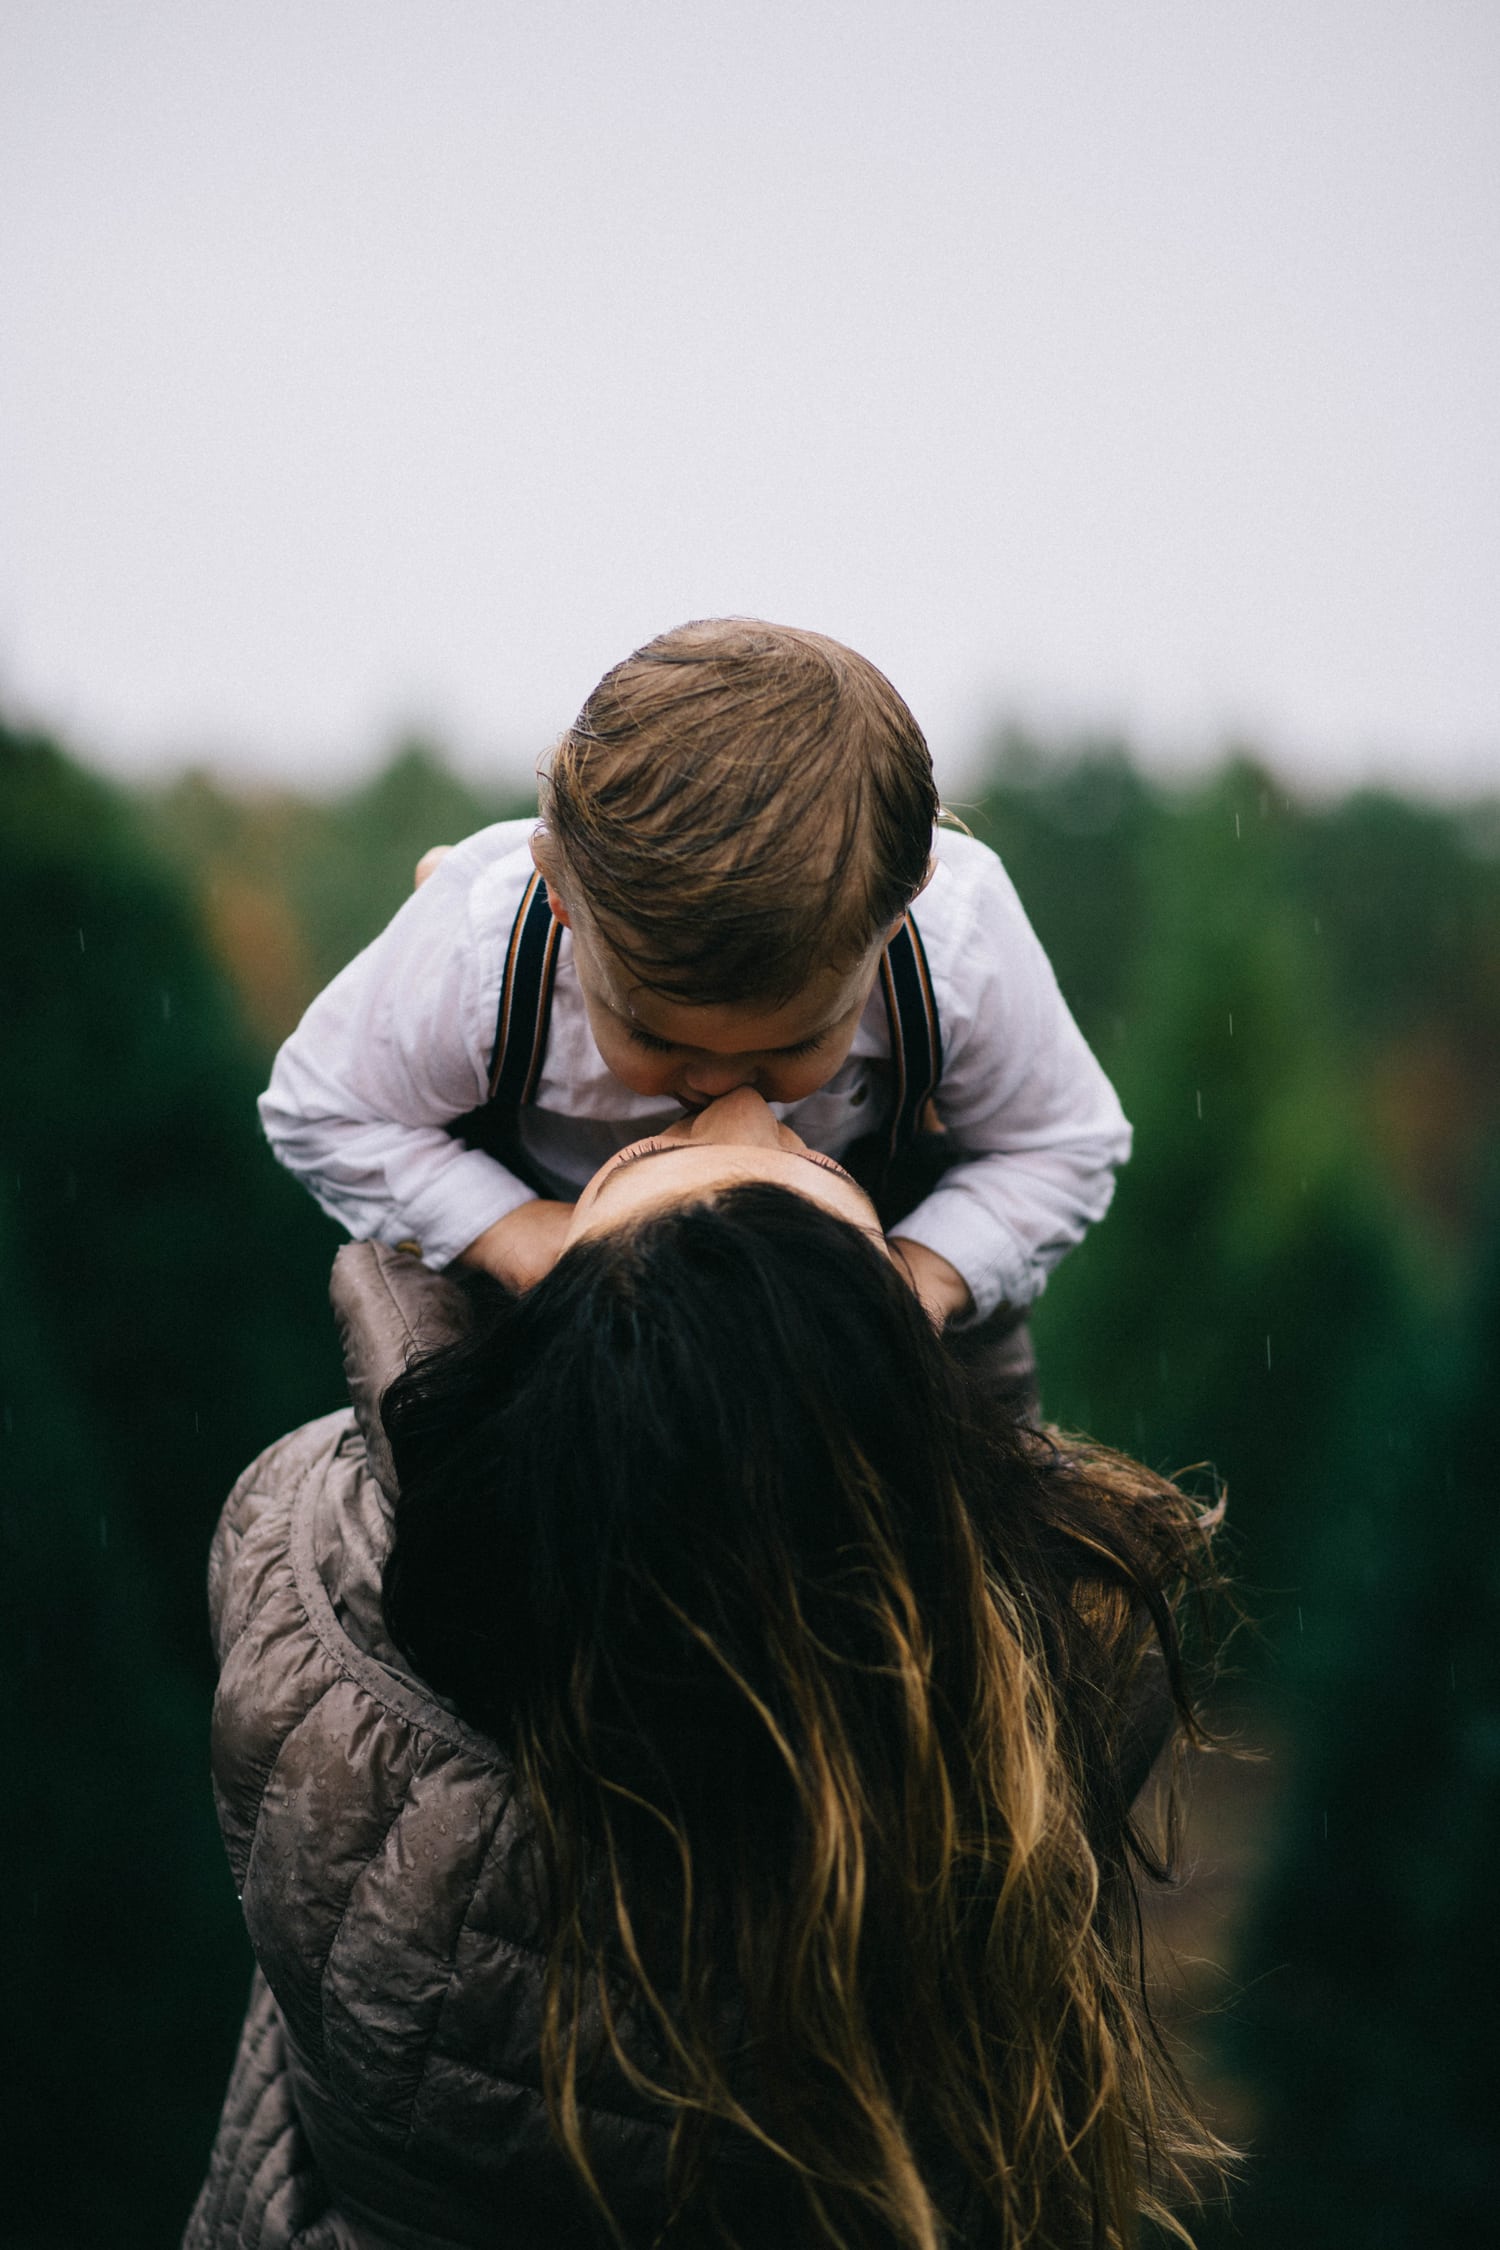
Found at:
[897, 1166]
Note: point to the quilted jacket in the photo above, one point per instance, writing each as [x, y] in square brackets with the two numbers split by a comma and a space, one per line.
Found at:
[386, 2093]
[386, 2089]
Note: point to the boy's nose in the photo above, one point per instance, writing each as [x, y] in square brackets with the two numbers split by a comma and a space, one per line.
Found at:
[710, 1077]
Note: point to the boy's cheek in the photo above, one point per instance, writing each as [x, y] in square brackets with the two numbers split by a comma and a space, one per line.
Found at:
[792, 1082]
[642, 1072]
[644, 1076]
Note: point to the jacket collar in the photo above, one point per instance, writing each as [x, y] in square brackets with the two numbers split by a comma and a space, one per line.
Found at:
[390, 1308]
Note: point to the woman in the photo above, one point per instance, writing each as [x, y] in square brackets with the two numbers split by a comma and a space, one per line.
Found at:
[678, 1768]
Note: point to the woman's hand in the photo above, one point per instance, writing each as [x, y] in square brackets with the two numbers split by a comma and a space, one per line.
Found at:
[941, 1289]
[523, 1246]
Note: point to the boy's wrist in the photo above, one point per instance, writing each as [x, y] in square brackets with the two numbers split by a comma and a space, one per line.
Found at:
[941, 1288]
[521, 1248]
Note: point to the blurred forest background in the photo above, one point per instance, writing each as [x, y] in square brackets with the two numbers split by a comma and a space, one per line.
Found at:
[1299, 1282]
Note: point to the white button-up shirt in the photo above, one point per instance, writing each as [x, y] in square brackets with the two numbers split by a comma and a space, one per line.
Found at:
[400, 1043]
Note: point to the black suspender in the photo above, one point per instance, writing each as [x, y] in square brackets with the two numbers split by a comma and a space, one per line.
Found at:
[525, 999]
[526, 1004]
[520, 1035]
[916, 1035]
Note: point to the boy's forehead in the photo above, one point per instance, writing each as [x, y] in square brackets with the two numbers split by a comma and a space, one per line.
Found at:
[829, 993]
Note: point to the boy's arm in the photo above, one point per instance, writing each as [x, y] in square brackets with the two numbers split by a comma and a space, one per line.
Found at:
[941, 1288]
[524, 1246]
[1040, 1127]
[396, 1046]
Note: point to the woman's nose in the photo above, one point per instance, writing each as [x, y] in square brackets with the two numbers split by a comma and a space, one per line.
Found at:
[741, 1116]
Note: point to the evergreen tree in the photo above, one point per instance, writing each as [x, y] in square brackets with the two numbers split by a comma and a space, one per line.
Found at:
[1253, 1264]
[162, 1317]
[292, 887]
[1366, 2024]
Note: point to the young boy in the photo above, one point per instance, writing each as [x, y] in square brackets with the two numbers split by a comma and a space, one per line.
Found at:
[736, 881]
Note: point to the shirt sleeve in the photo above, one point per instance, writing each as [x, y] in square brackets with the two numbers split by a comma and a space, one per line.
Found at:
[1037, 1123]
[395, 1047]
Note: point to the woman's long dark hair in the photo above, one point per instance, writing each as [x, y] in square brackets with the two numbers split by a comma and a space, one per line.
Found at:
[825, 1684]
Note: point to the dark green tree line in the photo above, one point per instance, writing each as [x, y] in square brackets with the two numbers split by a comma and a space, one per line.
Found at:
[159, 1324]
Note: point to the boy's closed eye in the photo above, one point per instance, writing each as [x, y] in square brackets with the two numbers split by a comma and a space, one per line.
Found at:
[655, 1046]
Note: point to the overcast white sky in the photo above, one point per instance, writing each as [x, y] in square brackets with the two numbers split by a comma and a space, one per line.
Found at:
[375, 362]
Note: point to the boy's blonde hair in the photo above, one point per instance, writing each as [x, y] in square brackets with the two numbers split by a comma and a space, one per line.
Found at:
[738, 804]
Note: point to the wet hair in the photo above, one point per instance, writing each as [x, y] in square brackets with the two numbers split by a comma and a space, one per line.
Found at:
[828, 1688]
[739, 804]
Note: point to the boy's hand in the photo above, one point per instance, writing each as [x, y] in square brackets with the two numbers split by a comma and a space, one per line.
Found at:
[941, 1289]
[429, 863]
[523, 1246]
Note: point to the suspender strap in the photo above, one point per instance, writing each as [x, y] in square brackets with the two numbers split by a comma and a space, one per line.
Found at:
[525, 999]
[916, 1039]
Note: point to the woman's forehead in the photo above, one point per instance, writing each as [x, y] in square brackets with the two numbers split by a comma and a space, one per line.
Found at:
[646, 1182]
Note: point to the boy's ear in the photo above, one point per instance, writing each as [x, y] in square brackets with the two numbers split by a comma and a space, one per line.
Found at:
[545, 865]
[932, 868]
